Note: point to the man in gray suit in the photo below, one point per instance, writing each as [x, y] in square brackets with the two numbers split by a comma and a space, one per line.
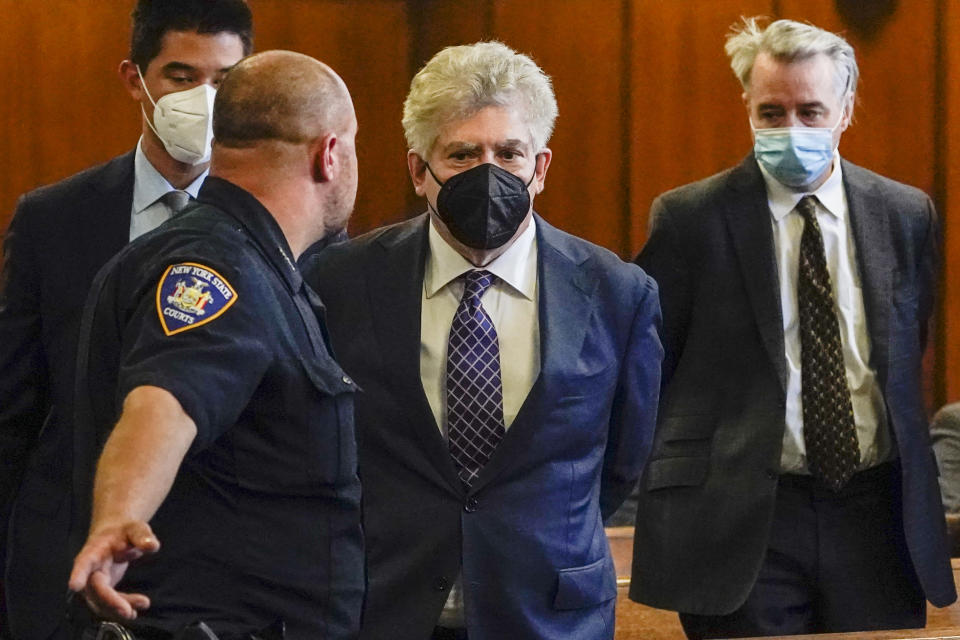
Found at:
[792, 487]
[945, 431]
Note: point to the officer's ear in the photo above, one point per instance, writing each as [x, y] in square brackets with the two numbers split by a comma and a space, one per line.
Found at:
[323, 158]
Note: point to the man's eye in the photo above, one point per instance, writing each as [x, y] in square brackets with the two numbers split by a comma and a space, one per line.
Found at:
[509, 155]
[461, 156]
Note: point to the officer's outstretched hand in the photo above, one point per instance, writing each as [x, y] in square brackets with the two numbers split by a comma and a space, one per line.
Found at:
[103, 561]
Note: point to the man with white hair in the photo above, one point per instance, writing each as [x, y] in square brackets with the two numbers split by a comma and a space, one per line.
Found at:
[509, 373]
[792, 488]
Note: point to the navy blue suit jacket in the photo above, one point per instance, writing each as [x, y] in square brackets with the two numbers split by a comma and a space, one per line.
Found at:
[707, 497]
[529, 534]
[58, 239]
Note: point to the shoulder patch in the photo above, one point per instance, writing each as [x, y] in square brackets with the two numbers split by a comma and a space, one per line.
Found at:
[190, 295]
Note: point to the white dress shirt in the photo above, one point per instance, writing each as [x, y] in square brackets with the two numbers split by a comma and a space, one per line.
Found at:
[148, 211]
[833, 216]
[511, 303]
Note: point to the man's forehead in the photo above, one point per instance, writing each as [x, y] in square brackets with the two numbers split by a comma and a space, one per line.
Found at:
[492, 123]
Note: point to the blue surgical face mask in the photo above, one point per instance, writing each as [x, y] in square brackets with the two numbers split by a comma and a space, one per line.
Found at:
[795, 156]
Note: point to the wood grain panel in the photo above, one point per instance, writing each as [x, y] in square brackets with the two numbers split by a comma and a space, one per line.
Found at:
[368, 44]
[687, 119]
[950, 206]
[893, 130]
[63, 106]
[436, 24]
[580, 45]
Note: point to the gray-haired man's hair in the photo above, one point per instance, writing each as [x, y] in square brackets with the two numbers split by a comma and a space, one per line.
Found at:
[460, 81]
[789, 41]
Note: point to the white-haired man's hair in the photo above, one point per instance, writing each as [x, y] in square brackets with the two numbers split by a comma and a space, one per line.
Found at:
[789, 41]
[460, 81]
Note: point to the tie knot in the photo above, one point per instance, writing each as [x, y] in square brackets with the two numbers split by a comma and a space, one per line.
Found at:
[807, 207]
[176, 200]
[475, 283]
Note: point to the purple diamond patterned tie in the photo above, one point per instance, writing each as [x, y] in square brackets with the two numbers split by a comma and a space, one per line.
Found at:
[474, 389]
[829, 431]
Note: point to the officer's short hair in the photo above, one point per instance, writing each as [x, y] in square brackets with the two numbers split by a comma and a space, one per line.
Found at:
[152, 19]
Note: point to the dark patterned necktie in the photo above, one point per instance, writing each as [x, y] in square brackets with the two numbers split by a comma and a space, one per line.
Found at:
[474, 388]
[829, 431]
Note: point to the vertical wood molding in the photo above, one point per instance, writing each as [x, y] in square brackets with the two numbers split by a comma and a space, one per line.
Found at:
[949, 160]
[369, 45]
[687, 117]
[579, 45]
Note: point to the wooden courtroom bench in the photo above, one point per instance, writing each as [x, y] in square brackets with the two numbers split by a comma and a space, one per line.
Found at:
[639, 622]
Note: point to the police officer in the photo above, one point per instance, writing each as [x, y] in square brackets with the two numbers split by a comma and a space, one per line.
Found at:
[235, 436]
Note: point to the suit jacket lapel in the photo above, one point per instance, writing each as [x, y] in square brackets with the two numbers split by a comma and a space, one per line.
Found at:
[108, 219]
[871, 235]
[565, 285]
[748, 218]
[395, 279]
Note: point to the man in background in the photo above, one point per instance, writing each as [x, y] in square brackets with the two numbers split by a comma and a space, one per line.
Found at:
[58, 239]
[792, 487]
[509, 374]
[235, 436]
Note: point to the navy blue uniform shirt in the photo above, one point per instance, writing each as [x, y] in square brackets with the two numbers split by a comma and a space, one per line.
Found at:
[263, 520]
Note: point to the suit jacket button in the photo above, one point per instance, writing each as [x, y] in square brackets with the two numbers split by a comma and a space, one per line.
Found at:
[770, 473]
[441, 584]
[472, 505]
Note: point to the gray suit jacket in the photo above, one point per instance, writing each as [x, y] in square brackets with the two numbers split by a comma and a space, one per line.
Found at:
[945, 431]
[707, 496]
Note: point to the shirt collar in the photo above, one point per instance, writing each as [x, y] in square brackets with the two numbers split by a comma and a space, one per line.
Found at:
[149, 185]
[517, 266]
[830, 194]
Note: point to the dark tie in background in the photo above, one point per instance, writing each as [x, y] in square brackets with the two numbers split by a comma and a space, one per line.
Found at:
[176, 200]
[474, 388]
[829, 431]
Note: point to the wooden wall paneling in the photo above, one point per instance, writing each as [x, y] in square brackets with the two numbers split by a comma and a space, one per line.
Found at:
[63, 106]
[687, 119]
[949, 363]
[368, 44]
[893, 130]
[436, 24]
[580, 45]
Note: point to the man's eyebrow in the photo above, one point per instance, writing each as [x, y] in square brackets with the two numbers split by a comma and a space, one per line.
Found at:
[458, 145]
[178, 66]
[511, 143]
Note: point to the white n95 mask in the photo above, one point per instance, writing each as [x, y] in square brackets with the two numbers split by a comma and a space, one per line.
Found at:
[183, 121]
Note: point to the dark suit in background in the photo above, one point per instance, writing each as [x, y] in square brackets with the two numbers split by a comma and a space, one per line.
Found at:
[58, 239]
[529, 532]
[709, 492]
